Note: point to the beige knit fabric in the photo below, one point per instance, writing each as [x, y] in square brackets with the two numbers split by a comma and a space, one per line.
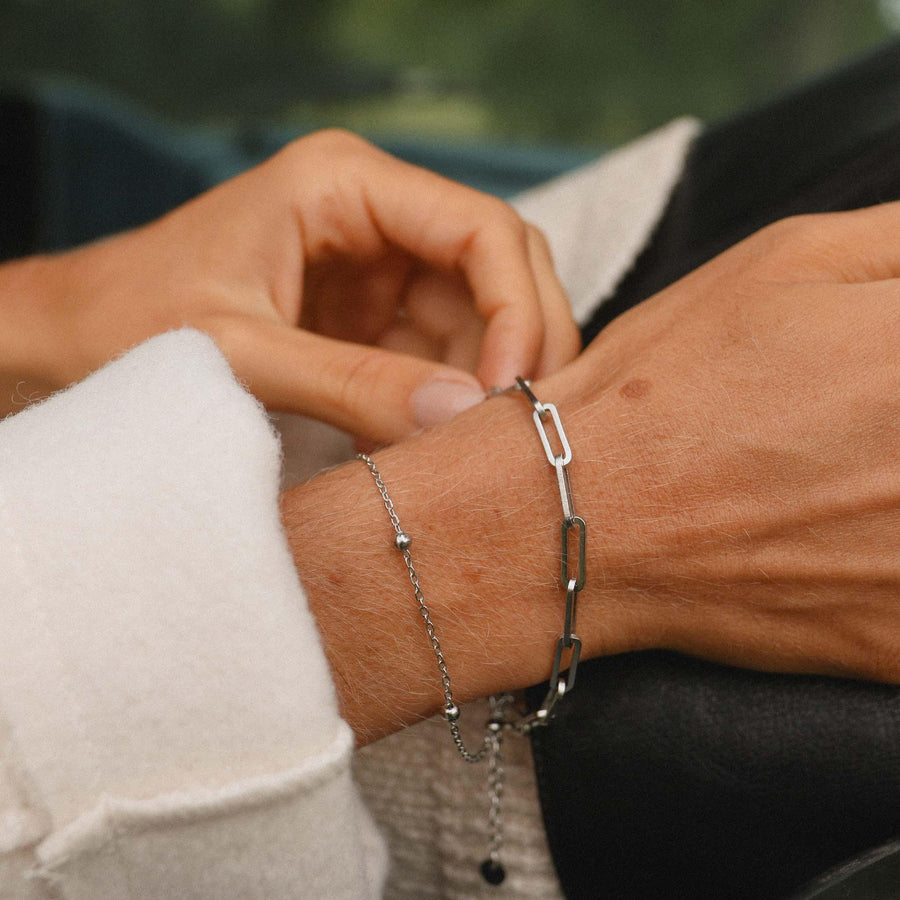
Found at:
[432, 808]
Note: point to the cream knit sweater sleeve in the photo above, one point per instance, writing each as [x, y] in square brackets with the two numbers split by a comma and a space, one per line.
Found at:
[168, 727]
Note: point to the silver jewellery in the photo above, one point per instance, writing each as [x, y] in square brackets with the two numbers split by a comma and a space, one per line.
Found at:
[402, 542]
[572, 578]
[573, 532]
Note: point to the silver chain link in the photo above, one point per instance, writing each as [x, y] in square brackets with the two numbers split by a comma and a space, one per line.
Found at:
[562, 677]
[572, 571]
[497, 725]
[402, 542]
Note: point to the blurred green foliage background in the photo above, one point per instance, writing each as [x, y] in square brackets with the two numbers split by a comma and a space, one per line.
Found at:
[582, 73]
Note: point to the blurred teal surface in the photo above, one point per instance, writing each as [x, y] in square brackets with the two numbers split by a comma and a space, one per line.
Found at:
[101, 166]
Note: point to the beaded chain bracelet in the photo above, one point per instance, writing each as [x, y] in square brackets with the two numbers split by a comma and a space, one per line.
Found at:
[562, 679]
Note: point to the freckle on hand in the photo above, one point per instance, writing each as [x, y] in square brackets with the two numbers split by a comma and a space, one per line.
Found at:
[635, 389]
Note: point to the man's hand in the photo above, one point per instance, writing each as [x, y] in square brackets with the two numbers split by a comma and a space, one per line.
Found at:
[735, 445]
[745, 423]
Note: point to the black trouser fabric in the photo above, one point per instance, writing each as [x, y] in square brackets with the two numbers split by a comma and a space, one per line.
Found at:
[664, 776]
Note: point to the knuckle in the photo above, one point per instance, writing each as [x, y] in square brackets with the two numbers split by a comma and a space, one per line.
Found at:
[506, 219]
[538, 238]
[517, 226]
[339, 139]
[791, 227]
[791, 243]
[784, 233]
[329, 143]
[803, 232]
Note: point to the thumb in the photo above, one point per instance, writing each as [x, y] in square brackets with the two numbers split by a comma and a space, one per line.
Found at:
[370, 392]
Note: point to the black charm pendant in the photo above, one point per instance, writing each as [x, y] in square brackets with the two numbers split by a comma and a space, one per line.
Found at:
[492, 872]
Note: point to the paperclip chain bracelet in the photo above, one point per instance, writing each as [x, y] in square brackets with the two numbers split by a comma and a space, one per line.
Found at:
[572, 574]
[562, 678]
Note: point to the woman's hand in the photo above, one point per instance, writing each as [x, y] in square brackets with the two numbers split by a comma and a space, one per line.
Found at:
[340, 283]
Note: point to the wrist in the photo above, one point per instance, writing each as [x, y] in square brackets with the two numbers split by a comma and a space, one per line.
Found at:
[483, 509]
[451, 501]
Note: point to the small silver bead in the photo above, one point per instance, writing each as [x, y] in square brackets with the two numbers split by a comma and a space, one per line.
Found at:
[402, 540]
[496, 725]
[451, 713]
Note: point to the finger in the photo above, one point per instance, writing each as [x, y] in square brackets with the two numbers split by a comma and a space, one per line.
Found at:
[562, 340]
[440, 307]
[447, 225]
[489, 245]
[514, 329]
[367, 391]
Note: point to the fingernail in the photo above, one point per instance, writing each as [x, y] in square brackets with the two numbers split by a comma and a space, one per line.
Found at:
[439, 400]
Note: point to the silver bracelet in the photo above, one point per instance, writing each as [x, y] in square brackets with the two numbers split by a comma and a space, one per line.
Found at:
[402, 542]
[562, 679]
